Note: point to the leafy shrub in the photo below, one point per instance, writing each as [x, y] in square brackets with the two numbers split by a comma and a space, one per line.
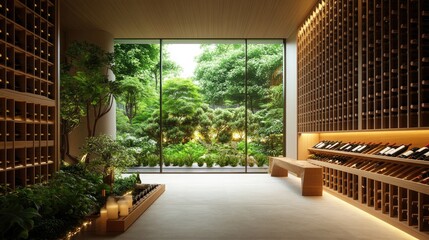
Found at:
[188, 161]
[123, 185]
[167, 160]
[49, 211]
[200, 161]
[15, 220]
[103, 154]
[251, 161]
[221, 161]
[50, 227]
[233, 160]
[209, 160]
[152, 160]
[261, 159]
[142, 160]
[180, 161]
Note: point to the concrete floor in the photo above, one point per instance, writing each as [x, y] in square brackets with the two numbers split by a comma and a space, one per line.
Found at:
[248, 206]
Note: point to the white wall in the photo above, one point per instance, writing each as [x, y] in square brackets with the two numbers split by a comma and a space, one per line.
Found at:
[291, 97]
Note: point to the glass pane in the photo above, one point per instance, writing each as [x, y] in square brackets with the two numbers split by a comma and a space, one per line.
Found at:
[203, 106]
[137, 123]
[264, 103]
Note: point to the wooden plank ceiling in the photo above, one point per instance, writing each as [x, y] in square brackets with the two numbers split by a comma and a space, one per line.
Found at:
[178, 19]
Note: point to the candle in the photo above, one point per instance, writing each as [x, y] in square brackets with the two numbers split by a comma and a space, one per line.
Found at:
[100, 224]
[129, 199]
[123, 208]
[112, 209]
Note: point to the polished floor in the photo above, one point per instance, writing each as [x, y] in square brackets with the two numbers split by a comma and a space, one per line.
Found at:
[248, 206]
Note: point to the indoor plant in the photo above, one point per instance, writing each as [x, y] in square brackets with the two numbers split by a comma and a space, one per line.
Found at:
[104, 155]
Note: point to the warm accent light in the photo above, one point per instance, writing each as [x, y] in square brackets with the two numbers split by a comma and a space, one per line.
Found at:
[236, 136]
[123, 208]
[77, 230]
[112, 208]
[309, 21]
[129, 199]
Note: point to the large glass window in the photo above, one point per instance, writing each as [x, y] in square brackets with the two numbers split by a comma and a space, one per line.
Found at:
[212, 106]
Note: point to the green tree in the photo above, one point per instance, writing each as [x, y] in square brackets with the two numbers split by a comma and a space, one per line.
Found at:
[182, 112]
[71, 112]
[264, 70]
[221, 124]
[137, 73]
[89, 66]
[135, 60]
[86, 90]
[221, 72]
[132, 92]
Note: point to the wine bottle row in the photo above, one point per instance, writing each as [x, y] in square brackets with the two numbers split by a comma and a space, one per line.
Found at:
[403, 171]
[394, 79]
[142, 191]
[390, 150]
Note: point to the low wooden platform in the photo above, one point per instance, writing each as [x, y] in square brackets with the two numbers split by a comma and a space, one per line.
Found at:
[310, 174]
[123, 223]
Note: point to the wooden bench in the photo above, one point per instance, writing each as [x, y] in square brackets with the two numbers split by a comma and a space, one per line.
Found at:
[311, 175]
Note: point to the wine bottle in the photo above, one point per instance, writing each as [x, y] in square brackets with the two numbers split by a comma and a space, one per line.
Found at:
[365, 147]
[352, 146]
[384, 150]
[425, 180]
[356, 147]
[398, 150]
[424, 156]
[408, 153]
[318, 144]
[419, 152]
[334, 145]
[392, 148]
[344, 146]
[373, 148]
[328, 145]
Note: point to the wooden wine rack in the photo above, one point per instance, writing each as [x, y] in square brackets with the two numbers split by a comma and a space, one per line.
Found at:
[383, 186]
[28, 92]
[364, 64]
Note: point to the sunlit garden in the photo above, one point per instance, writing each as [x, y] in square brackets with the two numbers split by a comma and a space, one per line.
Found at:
[218, 117]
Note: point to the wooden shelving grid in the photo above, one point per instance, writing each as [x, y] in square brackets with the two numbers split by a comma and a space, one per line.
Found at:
[28, 92]
[387, 187]
[328, 68]
[364, 64]
[363, 68]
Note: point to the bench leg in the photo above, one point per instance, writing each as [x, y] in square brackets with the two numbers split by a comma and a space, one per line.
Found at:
[311, 183]
[277, 171]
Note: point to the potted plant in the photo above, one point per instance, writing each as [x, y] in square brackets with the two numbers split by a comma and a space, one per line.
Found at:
[104, 155]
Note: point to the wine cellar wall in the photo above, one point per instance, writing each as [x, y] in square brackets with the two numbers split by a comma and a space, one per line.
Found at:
[28, 92]
[364, 64]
